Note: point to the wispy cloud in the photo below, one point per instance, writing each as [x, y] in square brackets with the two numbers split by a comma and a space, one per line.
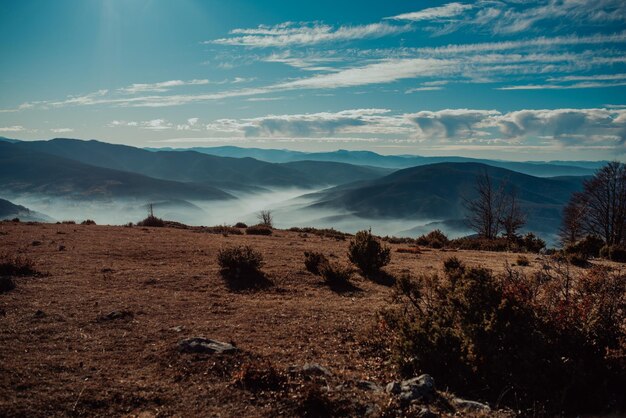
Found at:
[434, 13]
[61, 130]
[14, 128]
[299, 34]
[162, 86]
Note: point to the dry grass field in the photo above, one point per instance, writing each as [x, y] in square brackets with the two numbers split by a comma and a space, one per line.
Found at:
[97, 332]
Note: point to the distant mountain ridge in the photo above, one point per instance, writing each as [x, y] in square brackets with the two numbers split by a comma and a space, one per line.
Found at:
[9, 210]
[369, 158]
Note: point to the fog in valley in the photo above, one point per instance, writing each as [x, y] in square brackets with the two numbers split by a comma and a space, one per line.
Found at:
[290, 208]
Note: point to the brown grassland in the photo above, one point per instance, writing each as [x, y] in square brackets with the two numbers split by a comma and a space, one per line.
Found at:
[61, 355]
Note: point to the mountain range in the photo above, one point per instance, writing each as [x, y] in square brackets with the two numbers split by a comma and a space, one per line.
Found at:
[368, 158]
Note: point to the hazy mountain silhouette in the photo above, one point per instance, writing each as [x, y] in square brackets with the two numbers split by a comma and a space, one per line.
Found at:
[9, 210]
[23, 170]
[368, 158]
[191, 166]
[438, 192]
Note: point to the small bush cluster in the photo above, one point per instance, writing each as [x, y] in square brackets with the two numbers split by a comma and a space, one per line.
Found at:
[88, 222]
[240, 262]
[334, 274]
[366, 252]
[152, 221]
[434, 239]
[258, 376]
[6, 284]
[527, 243]
[221, 229]
[258, 230]
[589, 246]
[409, 250]
[240, 225]
[547, 343]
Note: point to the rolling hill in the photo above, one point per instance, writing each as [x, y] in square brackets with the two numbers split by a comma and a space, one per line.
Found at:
[190, 166]
[9, 210]
[438, 192]
[25, 171]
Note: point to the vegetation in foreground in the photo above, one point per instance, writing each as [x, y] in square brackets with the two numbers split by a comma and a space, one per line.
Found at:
[545, 344]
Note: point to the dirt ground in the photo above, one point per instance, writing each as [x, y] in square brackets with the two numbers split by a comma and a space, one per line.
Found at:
[60, 355]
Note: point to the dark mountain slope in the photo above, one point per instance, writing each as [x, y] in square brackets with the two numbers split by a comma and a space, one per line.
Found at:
[26, 171]
[190, 166]
[438, 192]
[9, 210]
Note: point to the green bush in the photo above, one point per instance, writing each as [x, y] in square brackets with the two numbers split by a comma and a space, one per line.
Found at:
[240, 262]
[366, 252]
[259, 230]
[545, 344]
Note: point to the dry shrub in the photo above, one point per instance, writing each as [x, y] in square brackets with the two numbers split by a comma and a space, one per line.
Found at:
[6, 284]
[241, 264]
[153, 221]
[240, 225]
[522, 260]
[315, 262]
[221, 229]
[547, 343]
[589, 246]
[258, 376]
[434, 239]
[88, 222]
[366, 252]
[322, 232]
[17, 265]
[613, 253]
[259, 230]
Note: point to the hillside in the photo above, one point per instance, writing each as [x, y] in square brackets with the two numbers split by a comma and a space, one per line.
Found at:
[10, 210]
[190, 166]
[24, 171]
[65, 353]
[438, 192]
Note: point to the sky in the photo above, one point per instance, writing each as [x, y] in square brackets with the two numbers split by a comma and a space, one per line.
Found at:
[514, 80]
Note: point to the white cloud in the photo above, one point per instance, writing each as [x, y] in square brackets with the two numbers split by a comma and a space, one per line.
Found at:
[434, 13]
[61, 130]
[161, 86]
[451, 123]
[14, 128]
[292, 34]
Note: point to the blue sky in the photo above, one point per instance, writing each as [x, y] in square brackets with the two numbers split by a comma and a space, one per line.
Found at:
[513, 80]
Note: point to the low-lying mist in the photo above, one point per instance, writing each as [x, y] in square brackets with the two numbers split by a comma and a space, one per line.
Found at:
[290, 208]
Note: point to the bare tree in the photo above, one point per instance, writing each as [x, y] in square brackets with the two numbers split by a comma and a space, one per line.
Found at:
[603, 204]
[513, 218]
[573, 222]
[265, 218]
[485, 213]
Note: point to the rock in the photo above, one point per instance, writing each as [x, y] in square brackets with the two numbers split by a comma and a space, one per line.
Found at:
[314, 369]
[413, 389]
[177, 328]
[205, 345]
[367, 385]
[39, 314]
[113, 315]
[470, 406]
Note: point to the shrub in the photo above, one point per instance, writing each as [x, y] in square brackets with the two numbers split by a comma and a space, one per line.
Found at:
[336, 275]
[323, 232]
[221, 229]
[589, 246]
[613, 253]
[153, 221]
[88, 222]
[577, 259]
[315, 262]
[434, 239]
[547, 343]
[531, 243]
[240, 225]
[409, 250]
[256, 376]
[6, 284]
[522, 260]
[241, 262]
[17, 265]
[480, 244]
[366, 252]
[258, 230]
